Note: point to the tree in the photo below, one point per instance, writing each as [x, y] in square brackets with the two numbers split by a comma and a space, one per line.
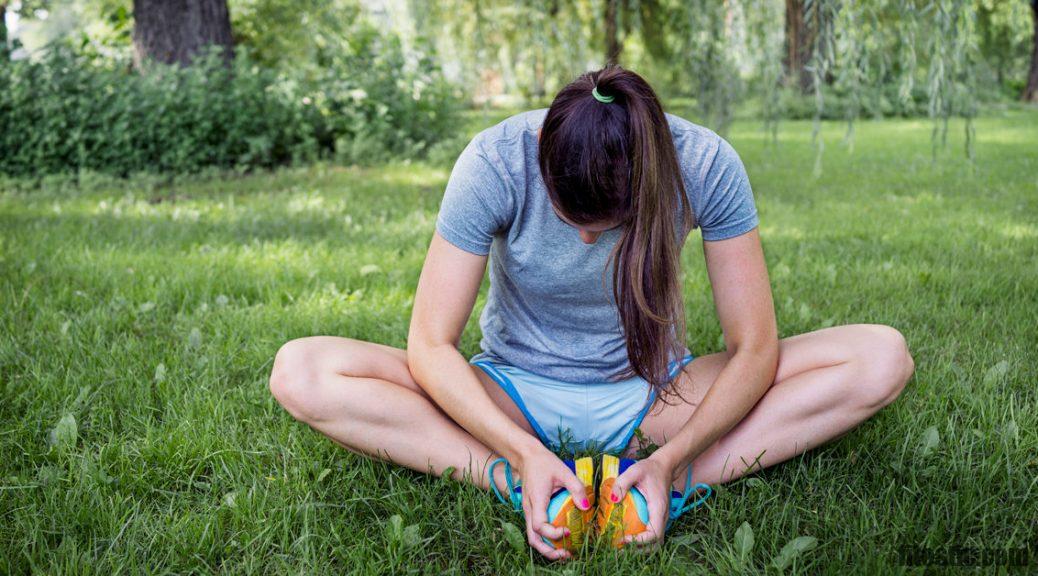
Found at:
[800, 39]
[294, 35]
[614, 45]
[1031, 90]
[174, 31]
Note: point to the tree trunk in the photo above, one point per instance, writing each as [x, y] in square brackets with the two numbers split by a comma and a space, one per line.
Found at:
[1031, 91]
[614, 46]
[799, 44]
[174, 31]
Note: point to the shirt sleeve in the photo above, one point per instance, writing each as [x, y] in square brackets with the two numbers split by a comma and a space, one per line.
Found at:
[476, 205]
[725, 208]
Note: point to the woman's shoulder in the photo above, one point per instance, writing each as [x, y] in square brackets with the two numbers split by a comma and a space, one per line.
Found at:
[700, 150]
[715, 180]
[691, 139]
[508, 148]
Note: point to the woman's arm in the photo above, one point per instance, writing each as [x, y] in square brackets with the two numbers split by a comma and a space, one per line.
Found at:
[742, 295]
[446, 293]
[443, 302]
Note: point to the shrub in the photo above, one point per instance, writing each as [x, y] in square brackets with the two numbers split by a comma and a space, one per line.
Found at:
[378, 103]
[69, 113]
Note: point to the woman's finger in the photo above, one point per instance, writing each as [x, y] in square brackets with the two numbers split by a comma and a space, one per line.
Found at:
[644, 541]
[657, 514]
[552, 532]
[537, 510]
[576, 489]
[624, 482]
[543, 547]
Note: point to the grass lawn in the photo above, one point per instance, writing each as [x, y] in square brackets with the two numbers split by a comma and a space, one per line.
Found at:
[139, 321]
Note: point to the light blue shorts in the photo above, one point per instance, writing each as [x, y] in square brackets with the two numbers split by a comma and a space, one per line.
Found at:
[600, 416]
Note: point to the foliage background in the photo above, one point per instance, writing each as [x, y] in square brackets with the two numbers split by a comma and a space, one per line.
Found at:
[364, 82]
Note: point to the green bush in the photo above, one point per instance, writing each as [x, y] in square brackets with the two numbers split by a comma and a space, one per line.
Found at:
[69, 113]
[378, 104]
[838, 104]
[884, 101]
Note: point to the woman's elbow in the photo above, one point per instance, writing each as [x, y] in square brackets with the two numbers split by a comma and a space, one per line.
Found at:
[769, 353]
[422, 354]
[417, 352]
[762, 351]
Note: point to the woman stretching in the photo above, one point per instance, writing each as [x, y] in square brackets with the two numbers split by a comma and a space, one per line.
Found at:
[583, 209]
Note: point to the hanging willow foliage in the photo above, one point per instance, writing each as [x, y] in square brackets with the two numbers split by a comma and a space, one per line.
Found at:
[713, 74]
[951, 75]
[765, 42]
[909, 26]
[532, 47]
[966, 57]
[822, 14]
[851, 61]
[850, 55]
[866, 56]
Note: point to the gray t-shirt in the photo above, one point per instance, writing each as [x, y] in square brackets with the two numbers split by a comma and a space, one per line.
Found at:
[550, 308]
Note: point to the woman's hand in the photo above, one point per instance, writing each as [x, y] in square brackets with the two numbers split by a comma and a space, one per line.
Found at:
[653, 479]
[542, 474]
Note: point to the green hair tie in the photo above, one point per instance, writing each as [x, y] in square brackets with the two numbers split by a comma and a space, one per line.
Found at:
[599, 97]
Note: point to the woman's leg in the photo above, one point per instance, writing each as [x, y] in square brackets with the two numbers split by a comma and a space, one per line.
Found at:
[827, 383]
[362, 396]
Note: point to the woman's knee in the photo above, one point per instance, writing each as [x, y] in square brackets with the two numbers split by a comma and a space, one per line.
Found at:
[295, 379]
[886, 362]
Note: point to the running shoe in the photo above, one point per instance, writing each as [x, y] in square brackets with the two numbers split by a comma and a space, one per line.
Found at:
[617, 520]
[562, 509]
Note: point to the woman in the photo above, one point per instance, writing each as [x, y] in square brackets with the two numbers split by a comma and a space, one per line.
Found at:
[585, 208]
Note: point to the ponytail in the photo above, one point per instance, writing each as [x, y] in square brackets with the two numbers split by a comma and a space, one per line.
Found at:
[632, 177]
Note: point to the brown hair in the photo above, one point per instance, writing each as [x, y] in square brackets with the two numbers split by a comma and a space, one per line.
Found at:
[616, 162]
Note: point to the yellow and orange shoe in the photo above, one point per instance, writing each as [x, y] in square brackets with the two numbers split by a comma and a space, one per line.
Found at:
[617, 520]
[562, 509]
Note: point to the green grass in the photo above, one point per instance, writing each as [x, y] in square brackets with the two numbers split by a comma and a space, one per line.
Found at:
[150, 313]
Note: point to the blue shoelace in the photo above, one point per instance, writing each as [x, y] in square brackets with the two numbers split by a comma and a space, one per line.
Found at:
[679, 503]
[514, 500]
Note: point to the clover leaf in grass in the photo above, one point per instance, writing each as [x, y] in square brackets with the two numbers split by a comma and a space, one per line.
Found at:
[996, 373]
[409, 536]
[514, 537]
[930, 440]
[792, 550]
[744, 543]
[194, 339]
[64, 433]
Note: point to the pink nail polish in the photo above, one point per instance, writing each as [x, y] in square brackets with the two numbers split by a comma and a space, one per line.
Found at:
[614, 498]
[585, 503]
